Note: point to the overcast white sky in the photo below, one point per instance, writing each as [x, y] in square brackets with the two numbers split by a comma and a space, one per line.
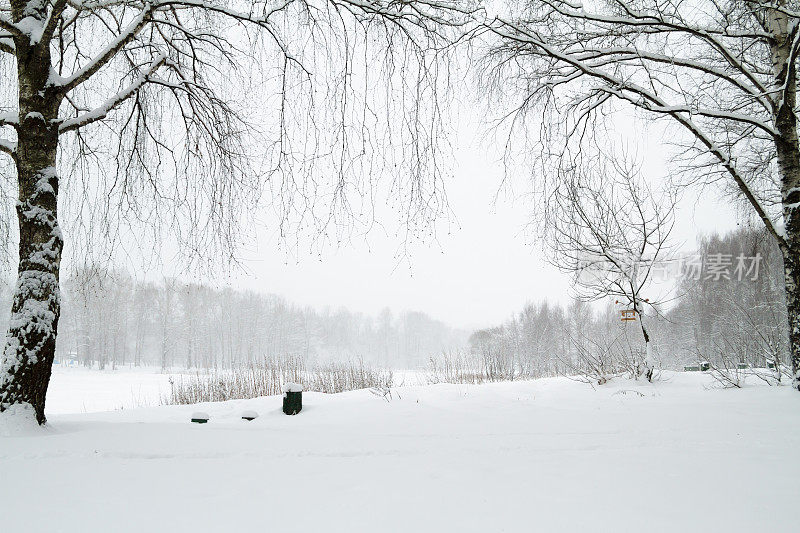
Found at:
[477, 276]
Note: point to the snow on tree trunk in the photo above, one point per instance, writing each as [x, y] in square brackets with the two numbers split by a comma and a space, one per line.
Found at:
[792, 268]
[788, 152]
[791, 251]
[648, 363]
[31, 338]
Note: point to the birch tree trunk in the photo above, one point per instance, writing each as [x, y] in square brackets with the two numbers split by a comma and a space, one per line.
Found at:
[31, 338]
[789, 165]
[788, 152]
[792, 273]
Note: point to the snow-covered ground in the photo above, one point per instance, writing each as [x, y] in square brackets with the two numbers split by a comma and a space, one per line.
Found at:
[547, 455]
[84, 390]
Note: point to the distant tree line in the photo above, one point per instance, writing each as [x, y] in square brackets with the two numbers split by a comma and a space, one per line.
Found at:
[110, 319]
[722, 319]
[731, 321]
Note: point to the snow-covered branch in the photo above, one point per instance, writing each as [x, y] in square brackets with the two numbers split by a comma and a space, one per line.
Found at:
[219, 8]
[9, 119]
[102, 111]
[9, 27]
[53, 20]
[8, 147]
[724, 99]
[608, 229]
[430, 18]
[109, 52]
[7, 43]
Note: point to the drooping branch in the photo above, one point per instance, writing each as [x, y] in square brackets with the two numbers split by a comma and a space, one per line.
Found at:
[109, 53]
[648, 21]
[608, 230]
[165, 127]
[115, 101]
[591, 54]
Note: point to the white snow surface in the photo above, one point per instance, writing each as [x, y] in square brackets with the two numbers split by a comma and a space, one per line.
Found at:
[292, 387]
[16, 421]
[546, 455]
[82, 390]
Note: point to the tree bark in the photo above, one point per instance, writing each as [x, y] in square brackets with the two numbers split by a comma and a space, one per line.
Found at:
[792, 270]
[788, 152]
[789, 165]
[31, 338]
[649, 366]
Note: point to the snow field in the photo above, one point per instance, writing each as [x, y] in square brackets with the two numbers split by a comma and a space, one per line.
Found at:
[544, 455]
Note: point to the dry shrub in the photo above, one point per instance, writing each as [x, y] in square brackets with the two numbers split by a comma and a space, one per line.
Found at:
[268, 377]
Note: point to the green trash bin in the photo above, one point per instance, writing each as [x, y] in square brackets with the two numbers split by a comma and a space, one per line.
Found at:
[292, 398]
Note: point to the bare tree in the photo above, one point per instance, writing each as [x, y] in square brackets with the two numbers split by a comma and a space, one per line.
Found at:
[723, 71]
[737, 323]
[134, 103]
[610, 231]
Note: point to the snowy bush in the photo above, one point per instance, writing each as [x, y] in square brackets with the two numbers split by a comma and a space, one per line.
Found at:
[270, 376]
[474, 368]
[592, 358]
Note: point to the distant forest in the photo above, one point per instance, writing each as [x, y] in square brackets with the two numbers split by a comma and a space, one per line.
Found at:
[727, 322]
[110, 319]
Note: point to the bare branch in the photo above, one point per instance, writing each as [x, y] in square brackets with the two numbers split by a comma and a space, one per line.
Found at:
[7, 44]
[9, 119]
[112, 103]
[605, 51]
[110, 51]
[8, 147]
[10, 27]
[54, 17]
